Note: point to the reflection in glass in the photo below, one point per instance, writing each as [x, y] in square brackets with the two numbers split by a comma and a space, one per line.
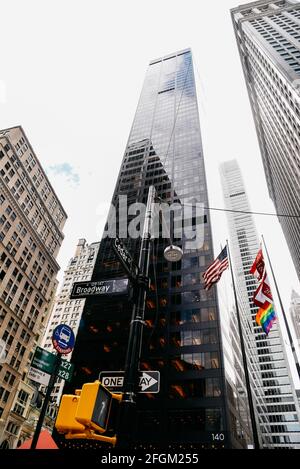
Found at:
[193, 337]
[195, 361]
[206, 387]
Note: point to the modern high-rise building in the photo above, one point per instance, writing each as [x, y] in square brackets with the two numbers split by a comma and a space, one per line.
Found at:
[275, 401]
[31, 223]
[182, 336]
[66, 311]
[295, 313]
[268, 37]
[237, 396]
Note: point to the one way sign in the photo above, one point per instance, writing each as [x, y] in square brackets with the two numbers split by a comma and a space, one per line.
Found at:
[149, 381]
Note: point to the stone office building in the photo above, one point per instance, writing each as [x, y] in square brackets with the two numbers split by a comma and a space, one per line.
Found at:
[31, 223]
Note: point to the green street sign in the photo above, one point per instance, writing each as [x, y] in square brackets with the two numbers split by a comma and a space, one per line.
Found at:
[65, 370]
[43, 360]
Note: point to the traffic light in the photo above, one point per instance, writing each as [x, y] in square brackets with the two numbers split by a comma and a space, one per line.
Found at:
[65, 421]
[87, 412]
[94, 406]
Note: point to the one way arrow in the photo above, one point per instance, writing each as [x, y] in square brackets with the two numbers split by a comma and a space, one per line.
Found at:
[147, 381]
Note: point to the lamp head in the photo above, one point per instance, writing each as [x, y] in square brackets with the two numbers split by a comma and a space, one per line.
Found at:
[173, 253]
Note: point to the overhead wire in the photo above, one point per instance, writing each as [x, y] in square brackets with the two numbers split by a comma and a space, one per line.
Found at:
[268, 214]
[281, 215]
[247, 212]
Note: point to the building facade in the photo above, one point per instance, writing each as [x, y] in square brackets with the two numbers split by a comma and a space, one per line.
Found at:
[295, 313]
[268, 37]
[276, 404]
[31, 224]
[182, 336]
[66, 311]
[237, 397]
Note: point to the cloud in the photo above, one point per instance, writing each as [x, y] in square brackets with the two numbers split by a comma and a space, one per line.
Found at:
[65, 169]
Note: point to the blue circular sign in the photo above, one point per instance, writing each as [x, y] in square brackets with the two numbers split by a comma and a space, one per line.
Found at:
[63, 339]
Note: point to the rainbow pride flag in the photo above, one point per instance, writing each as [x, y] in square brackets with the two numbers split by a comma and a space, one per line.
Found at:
[266, 318]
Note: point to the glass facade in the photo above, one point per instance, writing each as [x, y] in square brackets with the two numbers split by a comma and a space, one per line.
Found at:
[295, 314]
[182, 337]
[276, 405]
[268, 37]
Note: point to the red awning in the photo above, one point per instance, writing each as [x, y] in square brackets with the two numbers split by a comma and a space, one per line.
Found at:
[45, 441]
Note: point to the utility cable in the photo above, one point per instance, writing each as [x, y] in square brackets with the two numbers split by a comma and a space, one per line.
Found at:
[250, 213]
[246, 212]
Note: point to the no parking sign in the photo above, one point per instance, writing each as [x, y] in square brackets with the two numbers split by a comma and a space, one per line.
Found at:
[63, 339]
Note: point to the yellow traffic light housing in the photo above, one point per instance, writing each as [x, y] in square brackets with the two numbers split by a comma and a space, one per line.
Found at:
[80, 415]
[65, 421]
[94, 406]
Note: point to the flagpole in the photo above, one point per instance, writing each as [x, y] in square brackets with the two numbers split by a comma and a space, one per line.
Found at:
[283, 311]
[244, 357]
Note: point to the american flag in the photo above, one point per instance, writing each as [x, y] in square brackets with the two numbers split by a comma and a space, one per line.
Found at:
[213, 273]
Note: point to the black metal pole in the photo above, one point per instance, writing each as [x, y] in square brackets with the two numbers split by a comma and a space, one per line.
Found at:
[283, 311]
[244, 357]
[128, 404]
[46, 402]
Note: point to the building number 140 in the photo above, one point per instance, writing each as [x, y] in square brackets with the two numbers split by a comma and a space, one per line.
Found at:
[218, 436]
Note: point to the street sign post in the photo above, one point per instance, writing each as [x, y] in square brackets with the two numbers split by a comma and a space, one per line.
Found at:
[63, 339]
[149, 381]
[125, 258]
[42, 366]
[52, 379]
[118, 286]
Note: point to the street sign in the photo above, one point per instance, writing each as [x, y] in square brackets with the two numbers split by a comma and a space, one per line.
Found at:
[149, 381]
[65, 370]
[43, 360]
[63, 339]
[116, 286]
[125, 258]
[38, 376]
[42, 366]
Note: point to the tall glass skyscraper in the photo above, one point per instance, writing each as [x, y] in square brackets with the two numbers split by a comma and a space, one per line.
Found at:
[182, 337]
[295, 313]
[268, 37]
[276, 405]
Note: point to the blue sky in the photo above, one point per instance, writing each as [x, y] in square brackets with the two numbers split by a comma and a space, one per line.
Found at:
[66, 170]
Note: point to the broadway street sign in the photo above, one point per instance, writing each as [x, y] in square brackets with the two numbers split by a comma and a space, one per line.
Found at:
[149, 381]
[117, 286]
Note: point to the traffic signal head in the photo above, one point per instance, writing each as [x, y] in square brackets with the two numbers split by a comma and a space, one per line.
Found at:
[65, 421]
[94, 406]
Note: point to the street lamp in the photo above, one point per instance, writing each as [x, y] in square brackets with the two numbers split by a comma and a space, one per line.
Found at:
[173, 253]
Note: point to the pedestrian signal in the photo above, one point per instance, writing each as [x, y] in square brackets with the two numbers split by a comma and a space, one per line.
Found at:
[65, 421]
[88, 412]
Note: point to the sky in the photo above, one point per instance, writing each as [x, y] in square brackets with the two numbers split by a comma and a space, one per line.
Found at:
[71, 75]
